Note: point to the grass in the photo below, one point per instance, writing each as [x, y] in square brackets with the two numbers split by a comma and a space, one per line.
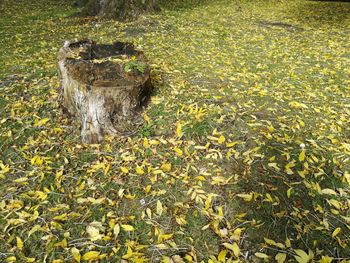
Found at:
[240, 86]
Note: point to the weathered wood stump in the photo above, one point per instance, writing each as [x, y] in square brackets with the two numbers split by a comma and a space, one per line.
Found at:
[102, 85]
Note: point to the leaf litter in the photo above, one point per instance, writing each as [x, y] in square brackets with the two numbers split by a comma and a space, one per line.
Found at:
[243, 155]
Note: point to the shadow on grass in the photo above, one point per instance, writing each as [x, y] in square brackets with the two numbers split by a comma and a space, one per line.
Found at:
[183, 4]
[331, 1]
[324, 11]
[289, 207]
[162, 4]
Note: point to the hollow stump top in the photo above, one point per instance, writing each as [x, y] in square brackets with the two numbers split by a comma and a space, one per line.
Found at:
[103, 65]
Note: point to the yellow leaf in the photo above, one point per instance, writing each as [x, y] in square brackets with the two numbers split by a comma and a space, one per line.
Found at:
[148, 188]
[91, 255]
[124, 170]
[326, 259]
[347, 177]
[274, 165]
[261, 255]
[34, 229]
[166, 167]
[269, 241]
[212, 138]
[233, 247]
[302, 256]
[130, 196]
[116, 230]
[76, 254]
[11, 259]
[21, 180]
[230, 144]
[159, 208]
[246, 197]
[149, 212]
[62, 217]
[14, 221]
[288, 243]
[175, 259]
[336, 232]
[41, 122]
[334, 211]
[62, 244]
[268, 198]
[146, 143]
[121, 192]
[106, 168]
[302, 156]
[222, 255]
[127, 227]
[39, 195]
[181, 220]
[328, 191]
[297, 105]
[128, 253]
[335, 203]
[236, 234]
[164, 237]
[179, 130]
[188, 258]
[94, 233]
[146, 118]
[200, 178]
[280, 257]
[273, 243]
[4, 169]
[139, 170]
[205, 227]
[19, 243]
[221, 139]
[178, 151]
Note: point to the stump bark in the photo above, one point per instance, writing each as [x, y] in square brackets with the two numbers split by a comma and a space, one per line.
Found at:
[103, 86]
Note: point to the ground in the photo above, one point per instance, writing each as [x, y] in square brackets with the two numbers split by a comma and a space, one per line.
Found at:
[243, 154]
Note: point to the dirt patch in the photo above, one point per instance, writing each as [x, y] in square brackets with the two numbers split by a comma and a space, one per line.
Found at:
[279, 24]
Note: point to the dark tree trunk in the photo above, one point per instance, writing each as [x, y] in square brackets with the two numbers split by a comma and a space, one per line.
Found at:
[80, 3]
[119, 9]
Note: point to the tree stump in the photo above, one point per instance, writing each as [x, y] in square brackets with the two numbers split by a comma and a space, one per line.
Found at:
[102, 85]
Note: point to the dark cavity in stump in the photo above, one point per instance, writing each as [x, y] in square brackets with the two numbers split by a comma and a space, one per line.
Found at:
[103, 86]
